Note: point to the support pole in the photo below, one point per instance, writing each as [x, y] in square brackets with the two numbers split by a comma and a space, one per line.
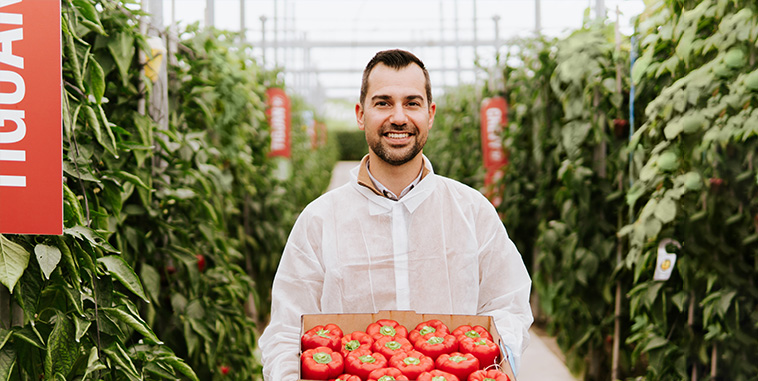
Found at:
[243, 26]
[263, 39]
[210, 12]
[537, 17]
[457, 44]
[276, 33]
[442, 38]
[600, 10]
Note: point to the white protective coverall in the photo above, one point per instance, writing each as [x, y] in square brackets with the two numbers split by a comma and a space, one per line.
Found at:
[440, 249]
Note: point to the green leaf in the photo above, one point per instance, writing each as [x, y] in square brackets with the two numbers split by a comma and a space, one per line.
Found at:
[133, 321]
[151, 280]
[48, 258]
[673, 129]
[90, 14]
[692, 181]
[118, 268]
[665, 210]
[61, 347]
[97, 81]
[117, 354]
[70, 51]
[93, 363]
[31, 337]
[132, 178]
[667, 161]
[108, 130]
[68, 260]
[8, 362]
[656, 342]
[121, 46]
[5, 334]
[85, 233]
[81, 326]
[13, 261]
[94, 124]
[160, 370]
[181, 366]
[725, 301]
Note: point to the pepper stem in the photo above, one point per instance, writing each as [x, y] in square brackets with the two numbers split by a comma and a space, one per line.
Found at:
[411, 361]
[322, 357]
[352, 345]
[387, 330]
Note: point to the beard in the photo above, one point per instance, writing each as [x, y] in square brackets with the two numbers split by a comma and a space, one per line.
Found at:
[397, 156]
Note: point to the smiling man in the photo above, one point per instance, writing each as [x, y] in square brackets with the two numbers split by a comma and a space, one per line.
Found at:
[397, 236]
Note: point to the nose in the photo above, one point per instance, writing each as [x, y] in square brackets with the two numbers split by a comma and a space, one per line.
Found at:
[398, 116]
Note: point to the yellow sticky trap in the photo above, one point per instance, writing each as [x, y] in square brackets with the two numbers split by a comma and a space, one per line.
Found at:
[153, 64]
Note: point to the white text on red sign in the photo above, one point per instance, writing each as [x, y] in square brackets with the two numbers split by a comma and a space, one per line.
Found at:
[12, 125]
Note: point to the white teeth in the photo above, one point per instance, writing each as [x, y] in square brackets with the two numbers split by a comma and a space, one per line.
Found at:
[396, 135]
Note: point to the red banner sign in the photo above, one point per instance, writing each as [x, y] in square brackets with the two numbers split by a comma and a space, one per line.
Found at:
[494, 116]
[278, 112]
[31, 154]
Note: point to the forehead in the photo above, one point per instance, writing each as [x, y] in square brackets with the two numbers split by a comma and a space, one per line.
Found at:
[384, 80]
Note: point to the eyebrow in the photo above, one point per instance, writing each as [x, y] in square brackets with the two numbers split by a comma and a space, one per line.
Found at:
[408, 98]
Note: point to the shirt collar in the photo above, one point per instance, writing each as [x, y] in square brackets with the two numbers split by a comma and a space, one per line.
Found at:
[366, 179]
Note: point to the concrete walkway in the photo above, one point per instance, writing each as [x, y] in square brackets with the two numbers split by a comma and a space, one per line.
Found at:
[542, 360]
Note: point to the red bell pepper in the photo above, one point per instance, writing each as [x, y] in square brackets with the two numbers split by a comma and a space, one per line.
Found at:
[321, 363]
[474, 332]
[389, 345]
[433, 346]
[457, 363]
[361, 362]
[437, 375]
[488, 375]
[347, 377]
[430, 326]
[355, 340]
[484, 349]
[412, 363]
[386, 327]
[387, 374]
[322, 336]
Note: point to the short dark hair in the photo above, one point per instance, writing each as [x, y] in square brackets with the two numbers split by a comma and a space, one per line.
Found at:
[396, 59]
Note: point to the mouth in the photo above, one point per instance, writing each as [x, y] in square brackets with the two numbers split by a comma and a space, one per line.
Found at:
[398, 135]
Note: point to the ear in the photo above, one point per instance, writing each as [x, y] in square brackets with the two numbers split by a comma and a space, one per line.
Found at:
[359, 115]
[432, 112]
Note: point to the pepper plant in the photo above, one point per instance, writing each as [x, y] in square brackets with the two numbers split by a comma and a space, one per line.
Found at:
[163, 224]
[696, 182]
[78, 297]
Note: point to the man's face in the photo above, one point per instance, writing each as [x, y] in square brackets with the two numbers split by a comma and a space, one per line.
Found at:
[396, 115]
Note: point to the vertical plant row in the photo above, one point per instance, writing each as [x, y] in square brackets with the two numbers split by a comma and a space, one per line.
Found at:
[170, 233]
[592, 204]
[696, 182]
[565, 181]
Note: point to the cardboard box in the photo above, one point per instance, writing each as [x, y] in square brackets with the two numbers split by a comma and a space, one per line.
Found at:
[358, 322]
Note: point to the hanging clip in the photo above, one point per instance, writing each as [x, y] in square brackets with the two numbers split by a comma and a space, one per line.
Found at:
[664, 265]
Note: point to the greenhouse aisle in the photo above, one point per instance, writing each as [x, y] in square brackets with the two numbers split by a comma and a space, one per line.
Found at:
[541, 360]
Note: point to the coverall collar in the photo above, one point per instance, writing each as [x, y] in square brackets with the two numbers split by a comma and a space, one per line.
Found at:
[380, 204]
